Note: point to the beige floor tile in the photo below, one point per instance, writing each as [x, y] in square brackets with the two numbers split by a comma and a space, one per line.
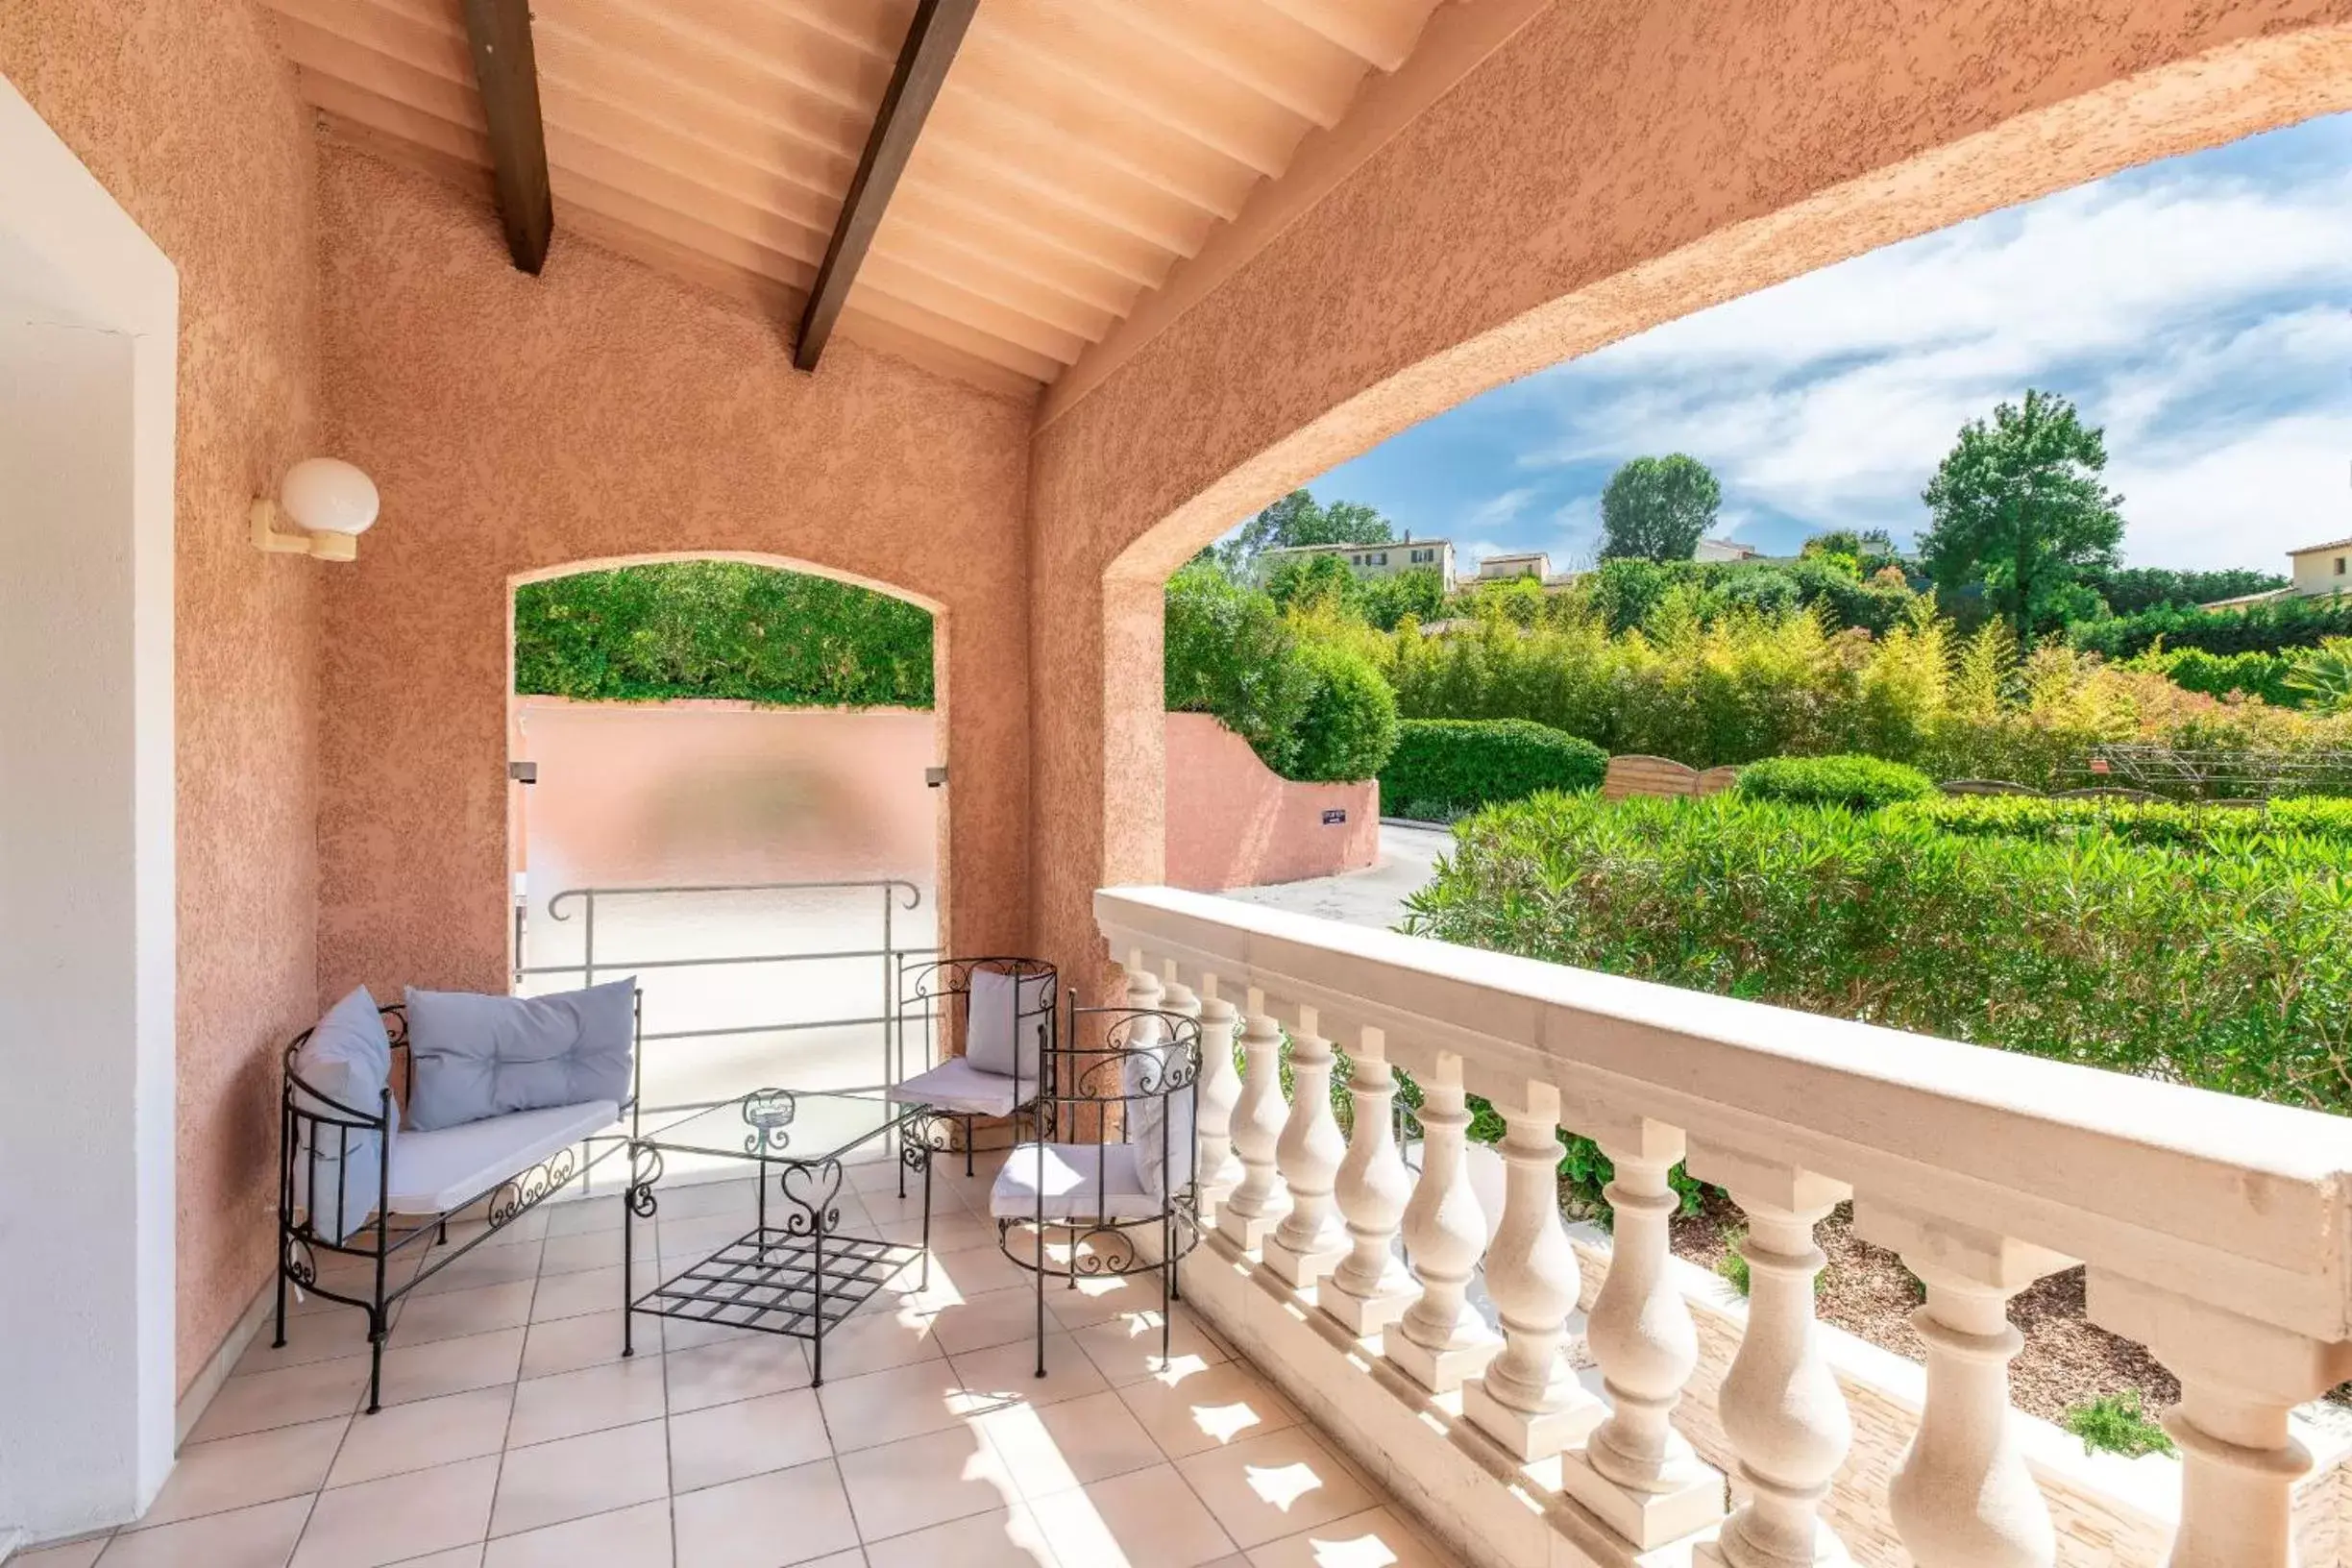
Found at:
[851, 1558]
[876, 1341]
[1099, 1301]
[256, 1401]
[685, 1333]
[451, 1366]
[1052, 1447]
[591, 1340]
[576, 1477]
[485, 1265]
[997, 1319]
[635, 1537]
[1003, 1374]
[240, 1472]
[255, 1538]
[1269, 1487]
[578, 1216]
[918, 1482]
[883, 1407]
[742, 1366]
[79, 1554]
[619, 1395]
[1373, 1539]
[952, 1233]
[727, 1442]
[403, 1437]
[593, 1249]
[686, 1241]
[696, 1200]
[576, 1295]
[979, 1271]
[400, 1516]
[310, 1336]
[456, 1313]
[770, 1521]
[1147, 1519]
[529, 1227]
[464, 1556]
[1007, 1538]
[1127, 1348]
[1195, 1409]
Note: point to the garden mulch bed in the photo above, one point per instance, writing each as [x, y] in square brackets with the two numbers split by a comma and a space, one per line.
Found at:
[1866, 1292]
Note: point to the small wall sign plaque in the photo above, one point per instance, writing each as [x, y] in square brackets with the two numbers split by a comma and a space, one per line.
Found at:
[1334, 818]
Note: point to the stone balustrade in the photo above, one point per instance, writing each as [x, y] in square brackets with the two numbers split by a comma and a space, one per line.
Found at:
[2217, 1232]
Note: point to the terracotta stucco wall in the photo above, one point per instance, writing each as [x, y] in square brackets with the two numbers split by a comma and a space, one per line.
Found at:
[1609, 167]
[515, 424]
[185, 114]
[1235, 822]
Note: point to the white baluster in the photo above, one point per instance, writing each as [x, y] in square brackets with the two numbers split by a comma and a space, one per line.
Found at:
[1221, 1087]
[2240, 1460]
[1529, 1399]
[1637, 1473]
[1780, 1405]
[1309, 1243]
[1440, 1340]
[1369, 1290]
[1253, 1208]
[1962, 1497]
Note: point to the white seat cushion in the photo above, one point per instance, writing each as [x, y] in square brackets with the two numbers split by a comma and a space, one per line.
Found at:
[1082, 1181]
[435, 1172]
[956, 1085]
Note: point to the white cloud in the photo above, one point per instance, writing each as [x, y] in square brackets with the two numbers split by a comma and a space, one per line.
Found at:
[2202, 320]
[1496, 510]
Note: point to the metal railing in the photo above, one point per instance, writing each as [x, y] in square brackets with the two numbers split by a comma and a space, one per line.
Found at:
[894, 896]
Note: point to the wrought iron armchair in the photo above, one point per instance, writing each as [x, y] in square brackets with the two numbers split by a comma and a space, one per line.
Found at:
[935, 1008]
[1108, 1184]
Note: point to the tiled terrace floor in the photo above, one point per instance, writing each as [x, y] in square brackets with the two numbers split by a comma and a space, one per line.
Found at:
[513, 1435]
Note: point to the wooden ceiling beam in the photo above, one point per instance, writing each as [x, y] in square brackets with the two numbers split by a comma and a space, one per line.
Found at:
[932, 39]
[500, 34]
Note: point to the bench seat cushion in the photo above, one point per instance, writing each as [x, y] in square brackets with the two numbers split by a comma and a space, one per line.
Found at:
[956, 1085]
[1082, 1182]
[435, 1172]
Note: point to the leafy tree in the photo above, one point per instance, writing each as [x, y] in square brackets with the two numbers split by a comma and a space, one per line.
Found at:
[1657, 508]
[1418, 592]
[2133, 589]
[1298, 519]
[1304, 581]
[2019, 507]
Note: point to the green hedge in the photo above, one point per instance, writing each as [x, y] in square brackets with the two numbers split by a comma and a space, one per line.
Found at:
[2229, 829]
[1311, 711]
[2260, 676]
[719, 630]
[1859, 783]
[1443, 766]
[2229, 968]
[2258, 628]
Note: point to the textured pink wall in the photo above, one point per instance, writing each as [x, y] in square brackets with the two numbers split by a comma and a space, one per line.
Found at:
[1609, 167]
[1234, 822]
[185, 114]
[514, 425]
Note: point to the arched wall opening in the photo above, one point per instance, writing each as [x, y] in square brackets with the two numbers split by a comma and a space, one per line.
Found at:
[1505, 231]
[720, 772]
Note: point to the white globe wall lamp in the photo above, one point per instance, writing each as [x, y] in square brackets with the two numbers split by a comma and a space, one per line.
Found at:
[332, 502]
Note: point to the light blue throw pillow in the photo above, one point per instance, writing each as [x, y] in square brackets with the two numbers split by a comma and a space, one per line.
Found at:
[338, 1169]
[489, 1056]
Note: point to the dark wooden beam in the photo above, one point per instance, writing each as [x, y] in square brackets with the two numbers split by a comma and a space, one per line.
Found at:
[504, 63]
[931, 42]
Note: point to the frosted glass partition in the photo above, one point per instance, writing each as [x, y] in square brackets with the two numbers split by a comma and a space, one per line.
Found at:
[698, 825]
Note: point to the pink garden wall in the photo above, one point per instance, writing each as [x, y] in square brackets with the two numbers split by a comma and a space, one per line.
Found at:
[1234, 822]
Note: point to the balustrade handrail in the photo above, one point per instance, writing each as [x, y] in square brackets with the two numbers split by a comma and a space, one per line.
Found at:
[2234, 1203]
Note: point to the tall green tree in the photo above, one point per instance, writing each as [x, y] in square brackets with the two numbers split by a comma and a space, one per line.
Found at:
[1659, 508]
[1298, 519]
[2019, 509]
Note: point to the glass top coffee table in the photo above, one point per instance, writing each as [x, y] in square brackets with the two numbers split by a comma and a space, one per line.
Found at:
[795, 1271]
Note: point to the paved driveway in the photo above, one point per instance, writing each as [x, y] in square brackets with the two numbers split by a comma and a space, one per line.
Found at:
[1374, 897]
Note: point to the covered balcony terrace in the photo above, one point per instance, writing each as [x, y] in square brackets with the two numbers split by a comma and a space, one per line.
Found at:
[1006, 308]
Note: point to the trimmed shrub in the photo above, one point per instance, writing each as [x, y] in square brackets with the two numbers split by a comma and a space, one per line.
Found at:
[719, 630]
[1857, 783]
[2228, 829]
[1350, 724]
[2228, 966]
[2258, 629]
[1228, 654]
[1455, 765]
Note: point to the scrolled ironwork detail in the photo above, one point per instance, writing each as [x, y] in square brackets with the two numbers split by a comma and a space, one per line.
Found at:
[645, 1169]
[814, 1211]
[521, 1192]
[770, 1113]
[301, 1263]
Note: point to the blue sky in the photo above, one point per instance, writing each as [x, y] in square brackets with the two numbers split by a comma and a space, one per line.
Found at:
[2199, 308]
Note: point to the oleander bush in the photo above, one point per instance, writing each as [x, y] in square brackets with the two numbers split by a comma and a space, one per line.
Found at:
[2231, 829]
[719, 630]
[1446, 765]
[1856, 783]
[2225, 963]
